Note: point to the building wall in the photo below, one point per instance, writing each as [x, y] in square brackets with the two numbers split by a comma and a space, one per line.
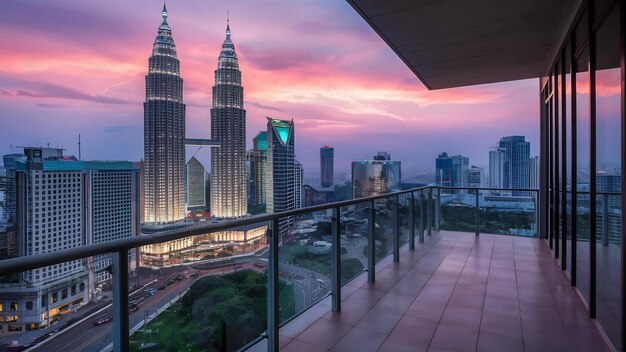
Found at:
[195, 184]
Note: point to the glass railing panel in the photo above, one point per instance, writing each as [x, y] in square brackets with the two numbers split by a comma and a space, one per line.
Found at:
[203, 292]
[354, 231]
[568, 234]
[304, 261]
[508, 213]
[56, 308]
[458, 210]
[608, 262]
[404, 201]
[383, 227]
[582, 244]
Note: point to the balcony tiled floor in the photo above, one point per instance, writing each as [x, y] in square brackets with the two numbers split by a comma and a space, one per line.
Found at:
[455, 292]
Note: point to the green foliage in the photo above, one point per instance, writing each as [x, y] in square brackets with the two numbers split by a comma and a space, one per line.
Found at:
[217, 314]
[463, 218]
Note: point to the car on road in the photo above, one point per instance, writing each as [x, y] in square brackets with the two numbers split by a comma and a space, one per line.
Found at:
[150, 291]
[103, 320]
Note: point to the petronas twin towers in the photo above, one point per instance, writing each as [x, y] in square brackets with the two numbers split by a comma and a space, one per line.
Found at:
[164, 134]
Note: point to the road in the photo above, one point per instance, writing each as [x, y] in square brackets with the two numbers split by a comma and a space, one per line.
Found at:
[89, 338]
[309, 287]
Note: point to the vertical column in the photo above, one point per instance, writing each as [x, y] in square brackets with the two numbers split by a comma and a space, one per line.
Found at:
[421, 222]
[336, 261]
[438, 209]
[412, 222]
[272, 288]
[563, 96]
[477, 213]
[371, 245]
[573, 164]
[592, 163]
[396, 230]
[429, 212]
[623, 162]
[120, 301]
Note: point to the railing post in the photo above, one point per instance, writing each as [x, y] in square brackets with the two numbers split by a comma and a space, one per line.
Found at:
[120, 301]
[396, 230]
[605, 219]
[429, 212]
[537, 213]
[371, 245]
[412, 222]
[336, 261]
[421, 222]
[438, 209]
[272, 288]
[477, 214]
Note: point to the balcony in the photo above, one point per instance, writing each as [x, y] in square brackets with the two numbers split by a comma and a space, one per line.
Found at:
[389, 272]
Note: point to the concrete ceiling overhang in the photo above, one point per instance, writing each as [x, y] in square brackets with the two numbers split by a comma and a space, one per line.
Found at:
[455, 43]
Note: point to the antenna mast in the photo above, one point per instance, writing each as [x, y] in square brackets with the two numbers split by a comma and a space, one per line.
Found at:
[79, 158]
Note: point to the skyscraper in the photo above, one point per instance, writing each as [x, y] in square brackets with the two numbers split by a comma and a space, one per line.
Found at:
[164, 132]
[327, 159]
[280, 176]
[443, 170]
[298, 180]
[258, 167]
[533, 172]
[65, 203]
[460, 167]
[377, 176]
[496, 168]
[516, 157]
[195, 184]
[228, 125]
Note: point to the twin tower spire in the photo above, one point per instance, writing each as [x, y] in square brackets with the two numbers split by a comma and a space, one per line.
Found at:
[164, 134]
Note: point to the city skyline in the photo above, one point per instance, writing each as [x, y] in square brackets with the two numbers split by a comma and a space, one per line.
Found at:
[370, 97]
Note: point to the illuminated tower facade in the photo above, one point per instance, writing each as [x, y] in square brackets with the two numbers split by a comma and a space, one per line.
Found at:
[164, 132]
[228, 126]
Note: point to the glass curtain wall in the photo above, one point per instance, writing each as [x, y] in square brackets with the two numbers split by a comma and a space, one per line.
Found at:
[583, 114]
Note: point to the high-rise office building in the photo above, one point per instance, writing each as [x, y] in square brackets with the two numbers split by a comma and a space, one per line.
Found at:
[327, 160]
[496, 168]
[476, 177]
[195, 184]
[207, 191]
[460, 167]
[113, 208]
[516, 157]
[229, 180]
[443, 170]
[377, 176]
[164, 132]
[258, 167]
[533, 172]
[280, 176]
[8, 222]
[298, 183]
[66, 203]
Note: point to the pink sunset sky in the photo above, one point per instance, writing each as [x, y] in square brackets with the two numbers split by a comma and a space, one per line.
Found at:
[71, 67]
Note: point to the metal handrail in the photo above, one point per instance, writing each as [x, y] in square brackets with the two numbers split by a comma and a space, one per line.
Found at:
[45, 259]
[597, 192]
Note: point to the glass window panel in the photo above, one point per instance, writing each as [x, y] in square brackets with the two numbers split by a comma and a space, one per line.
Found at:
[608, 178]
[582, 173]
